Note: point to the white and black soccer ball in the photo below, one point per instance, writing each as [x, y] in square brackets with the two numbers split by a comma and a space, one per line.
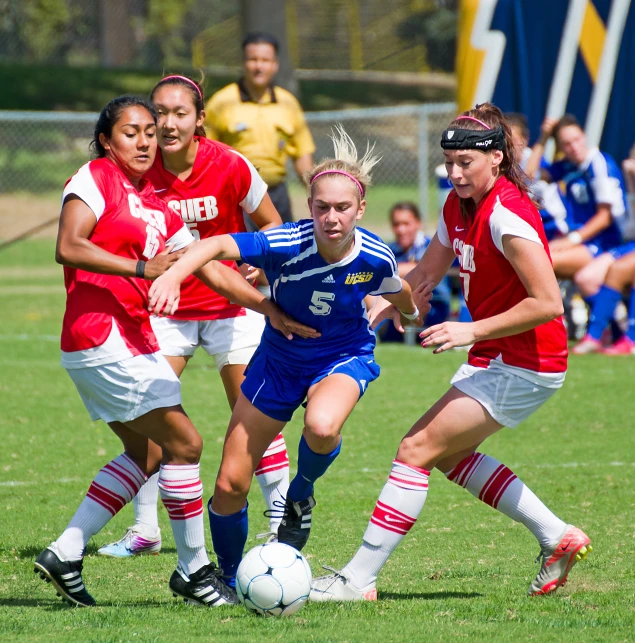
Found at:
[273, 580]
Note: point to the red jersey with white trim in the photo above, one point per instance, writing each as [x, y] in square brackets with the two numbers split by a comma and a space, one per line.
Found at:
[130, 223]
[491, 285]
[210, 201]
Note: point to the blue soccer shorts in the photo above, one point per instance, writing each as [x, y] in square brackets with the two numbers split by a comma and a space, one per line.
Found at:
[278, 388]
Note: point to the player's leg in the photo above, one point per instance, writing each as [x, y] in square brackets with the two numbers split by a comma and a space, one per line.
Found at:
[334, 392]
[177, 340]
[249, 434]
[232, 343]
[195, 579]
[113, 487]
[621, 277]
[566, 263]
[453, 424]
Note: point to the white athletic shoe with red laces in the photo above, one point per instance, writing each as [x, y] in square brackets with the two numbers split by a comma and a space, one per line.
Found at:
[557, 562]
[337, 587]
[587, 345]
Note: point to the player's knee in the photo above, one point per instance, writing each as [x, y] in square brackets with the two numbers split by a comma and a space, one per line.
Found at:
[188, 449]
[419, 449]
[620, 274]
[321, 426]
[230, 486]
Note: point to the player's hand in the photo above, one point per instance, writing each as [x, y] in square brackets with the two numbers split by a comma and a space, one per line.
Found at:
[164, 295]
[547, 126]
[250, 273]
[422, 295]
[380, 310]
[628, 166]
[448, 335]
[289, 326]
[159, 264]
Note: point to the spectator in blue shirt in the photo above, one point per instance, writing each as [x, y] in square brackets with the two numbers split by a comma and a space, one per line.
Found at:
[408, 247]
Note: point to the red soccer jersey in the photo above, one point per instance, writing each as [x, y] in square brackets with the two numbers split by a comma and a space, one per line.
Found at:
[106, 316]
[490, 283]
[210, 201]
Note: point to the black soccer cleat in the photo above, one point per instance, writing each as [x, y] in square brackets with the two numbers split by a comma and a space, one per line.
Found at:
[295, 526]
[205, 587]
[66, 577]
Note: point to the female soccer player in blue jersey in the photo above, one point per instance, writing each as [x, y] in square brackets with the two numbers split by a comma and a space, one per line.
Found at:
[320, 271]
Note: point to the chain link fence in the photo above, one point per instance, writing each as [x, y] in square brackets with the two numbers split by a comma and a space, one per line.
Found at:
[39, 151]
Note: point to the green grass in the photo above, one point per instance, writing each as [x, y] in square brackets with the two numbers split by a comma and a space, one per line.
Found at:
[461, 574]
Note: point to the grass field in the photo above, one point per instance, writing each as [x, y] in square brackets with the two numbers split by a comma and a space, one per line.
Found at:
[461, 574]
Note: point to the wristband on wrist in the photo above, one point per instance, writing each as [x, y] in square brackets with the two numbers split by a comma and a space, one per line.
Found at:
[575, 237]
[140, 269]
[411, 316]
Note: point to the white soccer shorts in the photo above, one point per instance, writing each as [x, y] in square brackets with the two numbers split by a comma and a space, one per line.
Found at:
[507, 397]
[125, 390]
[228, 341]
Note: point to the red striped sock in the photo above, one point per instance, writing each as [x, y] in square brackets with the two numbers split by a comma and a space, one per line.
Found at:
[182, 494]
[499, 487]
[396, 511]
[272, 474]
[113, 487]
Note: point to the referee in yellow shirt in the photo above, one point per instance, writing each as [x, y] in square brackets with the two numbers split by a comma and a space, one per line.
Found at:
[263, 122]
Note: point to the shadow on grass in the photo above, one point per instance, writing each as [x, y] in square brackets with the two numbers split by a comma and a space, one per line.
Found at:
[428, 596]
[46, 603]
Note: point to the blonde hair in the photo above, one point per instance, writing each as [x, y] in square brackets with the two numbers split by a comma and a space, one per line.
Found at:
[345, 161]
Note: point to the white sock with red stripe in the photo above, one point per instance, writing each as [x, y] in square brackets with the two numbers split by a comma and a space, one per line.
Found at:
[145, 507]
[397, 509]
[272, 474]
[113, 487]
[496, 485]
[182, 494]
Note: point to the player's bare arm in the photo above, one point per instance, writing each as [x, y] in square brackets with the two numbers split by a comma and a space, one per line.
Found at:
[542, 304]
[230, 284]
[74, 248]
[265, 216]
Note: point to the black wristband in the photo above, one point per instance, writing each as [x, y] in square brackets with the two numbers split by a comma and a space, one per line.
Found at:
[141, 269]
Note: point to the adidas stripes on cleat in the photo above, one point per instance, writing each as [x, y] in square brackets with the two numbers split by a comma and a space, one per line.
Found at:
[64, 575]
[205, 587]
[337, 587]
[134, 543]
[557, 562]
[295, 526]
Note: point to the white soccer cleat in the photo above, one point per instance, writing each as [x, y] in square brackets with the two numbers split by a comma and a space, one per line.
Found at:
[557, 562]
[337, 587]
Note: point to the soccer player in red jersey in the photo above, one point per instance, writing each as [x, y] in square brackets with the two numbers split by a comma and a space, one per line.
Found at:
[209, 185]
[518, 361]
[114, 235]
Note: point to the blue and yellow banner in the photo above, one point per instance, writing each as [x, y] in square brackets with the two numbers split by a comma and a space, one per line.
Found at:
[548, 57]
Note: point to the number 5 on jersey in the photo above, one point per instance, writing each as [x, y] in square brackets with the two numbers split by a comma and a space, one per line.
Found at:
[318, 302]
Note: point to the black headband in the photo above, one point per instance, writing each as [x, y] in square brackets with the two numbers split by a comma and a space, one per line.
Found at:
[469, 139]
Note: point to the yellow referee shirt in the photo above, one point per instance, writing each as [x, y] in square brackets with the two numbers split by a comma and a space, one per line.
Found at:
[266, 132]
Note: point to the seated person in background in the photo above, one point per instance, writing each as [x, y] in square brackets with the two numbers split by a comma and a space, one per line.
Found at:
[408, 247]
[554, 211]
[596, 203]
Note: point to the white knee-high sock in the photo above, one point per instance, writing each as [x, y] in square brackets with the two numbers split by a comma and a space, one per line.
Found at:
[396, 511]
[182, 494]
[145, 507]
[113, 487]
[272, 474]
[500, 488]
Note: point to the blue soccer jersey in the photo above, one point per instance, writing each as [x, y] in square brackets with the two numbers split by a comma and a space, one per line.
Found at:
[598, 180]
[327, 297]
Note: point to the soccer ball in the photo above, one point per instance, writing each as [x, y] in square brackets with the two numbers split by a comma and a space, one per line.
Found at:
[273, 580]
